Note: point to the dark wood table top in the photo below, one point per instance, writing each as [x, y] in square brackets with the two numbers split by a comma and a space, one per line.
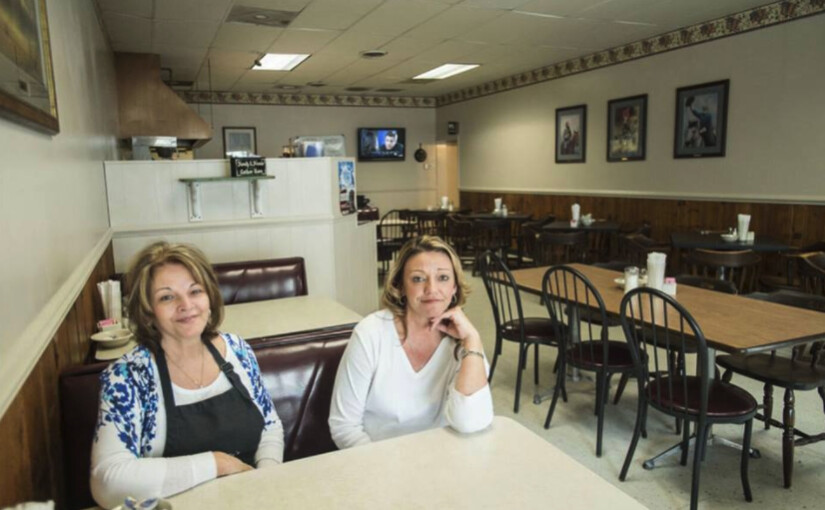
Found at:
[596, 226]
[714, 241]
[731, 323]
[512, 216]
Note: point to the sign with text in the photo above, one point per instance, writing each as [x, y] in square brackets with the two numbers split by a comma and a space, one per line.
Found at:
[247, 167]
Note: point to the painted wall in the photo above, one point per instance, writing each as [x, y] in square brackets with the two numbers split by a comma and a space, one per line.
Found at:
[300, 217]
[388, 185]
[53, 214]
[775, 116]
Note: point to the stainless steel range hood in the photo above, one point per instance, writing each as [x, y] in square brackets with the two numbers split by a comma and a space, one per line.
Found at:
[149, 108]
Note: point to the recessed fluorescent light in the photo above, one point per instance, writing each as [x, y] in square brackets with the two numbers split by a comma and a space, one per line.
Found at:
[278, 62]
[445, 71]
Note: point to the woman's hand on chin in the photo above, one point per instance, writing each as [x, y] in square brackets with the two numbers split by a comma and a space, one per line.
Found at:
[229, 465]
[455, 323]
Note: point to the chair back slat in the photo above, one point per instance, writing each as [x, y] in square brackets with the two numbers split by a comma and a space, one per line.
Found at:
[659, 329]
[578, 313]
[501, 290]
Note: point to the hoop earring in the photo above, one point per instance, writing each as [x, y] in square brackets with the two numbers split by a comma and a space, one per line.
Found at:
[454, 300]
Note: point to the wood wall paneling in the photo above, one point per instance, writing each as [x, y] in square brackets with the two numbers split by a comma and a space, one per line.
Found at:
[30, 429]
[795, 224]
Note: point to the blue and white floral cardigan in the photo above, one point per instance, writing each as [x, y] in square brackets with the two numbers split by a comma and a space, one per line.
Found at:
[127, 450]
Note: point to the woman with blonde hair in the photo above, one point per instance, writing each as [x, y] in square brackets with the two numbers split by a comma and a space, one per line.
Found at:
[418, 363]
[186, 405]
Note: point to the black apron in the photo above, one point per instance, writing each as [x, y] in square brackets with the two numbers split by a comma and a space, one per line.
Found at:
[229, 422]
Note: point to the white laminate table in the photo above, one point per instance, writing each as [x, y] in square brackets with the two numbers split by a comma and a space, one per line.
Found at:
[506, 466]
[277, 317]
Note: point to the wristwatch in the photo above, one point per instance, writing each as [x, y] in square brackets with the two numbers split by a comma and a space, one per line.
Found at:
[465, 353]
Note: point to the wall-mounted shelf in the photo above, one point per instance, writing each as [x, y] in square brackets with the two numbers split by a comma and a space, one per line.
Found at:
[193, 186]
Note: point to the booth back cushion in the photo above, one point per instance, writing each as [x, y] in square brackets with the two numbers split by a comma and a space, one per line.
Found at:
[259, 280]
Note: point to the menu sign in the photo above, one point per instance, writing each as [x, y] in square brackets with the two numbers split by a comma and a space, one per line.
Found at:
[247, 166]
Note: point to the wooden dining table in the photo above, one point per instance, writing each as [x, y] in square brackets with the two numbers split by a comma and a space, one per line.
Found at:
[730, 323]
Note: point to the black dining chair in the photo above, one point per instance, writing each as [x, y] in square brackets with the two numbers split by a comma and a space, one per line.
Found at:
[508, 314]
[804, 370]
[492, 235]
[578, 314]
[394, 229]
[653, 321]
[740, 267]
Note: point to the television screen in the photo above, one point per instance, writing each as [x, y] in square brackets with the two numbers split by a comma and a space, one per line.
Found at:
[381, 144]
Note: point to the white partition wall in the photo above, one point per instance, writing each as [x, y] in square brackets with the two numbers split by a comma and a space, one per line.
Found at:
[300, 217]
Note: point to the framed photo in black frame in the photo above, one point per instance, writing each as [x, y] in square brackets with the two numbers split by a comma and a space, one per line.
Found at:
[571, 134]
[701, 120]
[627, 128]
[239, 141]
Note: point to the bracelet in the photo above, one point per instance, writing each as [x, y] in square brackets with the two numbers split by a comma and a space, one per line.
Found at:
[465, 353]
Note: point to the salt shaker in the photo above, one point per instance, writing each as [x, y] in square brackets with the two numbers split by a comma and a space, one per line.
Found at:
[631, 278]
[503, 210]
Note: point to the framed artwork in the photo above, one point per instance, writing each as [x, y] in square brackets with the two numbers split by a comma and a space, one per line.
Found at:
[571, 134]
[239, 141]
[627, 128]
[701, 120]
[27, 93]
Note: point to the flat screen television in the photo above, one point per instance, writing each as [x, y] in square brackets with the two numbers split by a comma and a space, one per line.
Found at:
[382, 144]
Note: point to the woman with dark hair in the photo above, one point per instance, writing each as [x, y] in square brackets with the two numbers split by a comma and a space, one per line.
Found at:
[418, 363]
[186, 405]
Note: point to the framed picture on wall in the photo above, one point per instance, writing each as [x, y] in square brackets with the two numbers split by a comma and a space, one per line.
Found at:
[571, 134]
[701, 120]
[27, 95]
[627, 128]
[239, 141]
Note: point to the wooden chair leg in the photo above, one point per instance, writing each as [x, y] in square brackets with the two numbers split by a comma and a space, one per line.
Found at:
[788, 422]
[637, 431]
[620, 389]
[767, 404]
[746, 446]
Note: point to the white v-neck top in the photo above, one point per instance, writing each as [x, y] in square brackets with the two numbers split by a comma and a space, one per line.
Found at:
[378, 395]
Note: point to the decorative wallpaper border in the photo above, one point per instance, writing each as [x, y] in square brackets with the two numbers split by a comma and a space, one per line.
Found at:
[745, 21]
[268, 98]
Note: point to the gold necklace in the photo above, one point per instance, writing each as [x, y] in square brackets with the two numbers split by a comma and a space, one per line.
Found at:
[198, 383]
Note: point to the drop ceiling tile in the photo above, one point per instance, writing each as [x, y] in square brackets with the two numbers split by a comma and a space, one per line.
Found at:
[494, 4]
[194, 10]
[255, 76]
[351, 44]
[231, 60]
[193, 34]
[403, 48]
[142, 8]
[394, 17]
[127, 29]
[452, 22]
[245, 37]
[450, 51]
[300, 40]
[617, 9]
[559, 7]
[333, 14]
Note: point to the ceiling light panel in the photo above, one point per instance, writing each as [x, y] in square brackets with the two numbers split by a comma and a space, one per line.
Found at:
[445, 71]
[279, 61]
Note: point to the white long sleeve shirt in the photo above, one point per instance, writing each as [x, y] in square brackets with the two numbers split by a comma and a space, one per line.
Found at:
[378, 395]
[127, 452]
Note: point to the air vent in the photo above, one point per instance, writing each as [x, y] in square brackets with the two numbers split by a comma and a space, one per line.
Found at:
[258, 16]
[373, 54]
[357, 89]
[389, 90]
[286, 86]
[316, 84]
